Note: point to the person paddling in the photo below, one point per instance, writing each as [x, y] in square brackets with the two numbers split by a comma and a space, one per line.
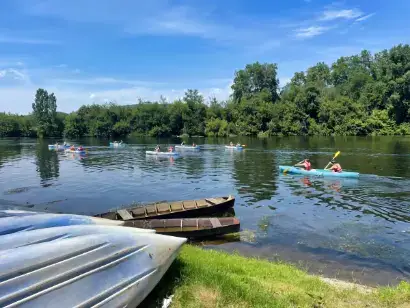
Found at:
[305, 164]
[335, 167]
[157, 148]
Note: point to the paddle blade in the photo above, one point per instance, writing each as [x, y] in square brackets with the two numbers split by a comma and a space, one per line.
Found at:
[337, 154]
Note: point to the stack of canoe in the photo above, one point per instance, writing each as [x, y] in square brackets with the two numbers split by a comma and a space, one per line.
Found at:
[176, 218]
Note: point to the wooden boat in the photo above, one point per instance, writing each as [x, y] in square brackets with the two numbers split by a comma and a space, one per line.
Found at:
[64, 260]
[189, 227]
[176, 209]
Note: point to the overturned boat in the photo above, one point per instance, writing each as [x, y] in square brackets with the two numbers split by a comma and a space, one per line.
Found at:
[68, 260]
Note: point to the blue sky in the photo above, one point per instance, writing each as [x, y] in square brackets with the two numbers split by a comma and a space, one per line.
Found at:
[97, 50]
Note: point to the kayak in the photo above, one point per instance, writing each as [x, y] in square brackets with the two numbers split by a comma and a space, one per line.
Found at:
[75, 151]
[161, 153]
[318, 172]
[117, 144]
[60, 147]
[50, 260]
[234, 147]
[187, 147]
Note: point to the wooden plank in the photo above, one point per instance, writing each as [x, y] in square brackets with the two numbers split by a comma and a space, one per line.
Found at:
[189, 205]
[215, 222]
[163, 208]
[215, 200]
[138, 212]
[190, 222]
[151, 210]
[201, 203]
[176, 207]
[125, 215]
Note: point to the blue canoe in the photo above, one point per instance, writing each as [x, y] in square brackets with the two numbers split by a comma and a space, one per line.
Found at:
[75, 151]
[50, 260]
[318, 172]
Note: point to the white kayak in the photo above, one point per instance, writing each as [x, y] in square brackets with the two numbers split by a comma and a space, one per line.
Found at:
[234, 147]
[187, 147]
[64, 260]
[117, 144]
[161, 153]
[60, 147]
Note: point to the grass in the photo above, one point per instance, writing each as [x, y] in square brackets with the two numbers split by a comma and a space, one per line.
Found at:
[207, 278]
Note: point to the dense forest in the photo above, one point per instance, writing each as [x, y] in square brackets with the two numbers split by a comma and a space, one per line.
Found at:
[363, 94]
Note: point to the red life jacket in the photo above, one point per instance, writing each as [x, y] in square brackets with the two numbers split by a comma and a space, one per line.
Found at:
[307, 165]
[336, 168]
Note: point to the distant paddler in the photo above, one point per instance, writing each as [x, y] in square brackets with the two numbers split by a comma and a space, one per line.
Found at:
[157, 148]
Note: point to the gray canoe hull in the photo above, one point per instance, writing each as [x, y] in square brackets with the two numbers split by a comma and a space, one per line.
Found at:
[79, 265]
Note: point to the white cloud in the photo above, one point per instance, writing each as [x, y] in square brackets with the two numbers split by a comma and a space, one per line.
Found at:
[29, 41]
[158, 17]
[363, 18]
[310, 31]
[14, 74]
[19, 87]
[340, 14]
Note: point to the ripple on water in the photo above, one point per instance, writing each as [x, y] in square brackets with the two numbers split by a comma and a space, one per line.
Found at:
[323, 219]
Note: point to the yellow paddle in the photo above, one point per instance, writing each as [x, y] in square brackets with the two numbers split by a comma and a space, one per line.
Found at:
[336, 155]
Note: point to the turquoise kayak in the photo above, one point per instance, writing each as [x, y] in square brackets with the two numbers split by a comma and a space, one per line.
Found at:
[318, 172]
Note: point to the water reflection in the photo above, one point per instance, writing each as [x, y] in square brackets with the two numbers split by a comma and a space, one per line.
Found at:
[47, 163]
[255, 174]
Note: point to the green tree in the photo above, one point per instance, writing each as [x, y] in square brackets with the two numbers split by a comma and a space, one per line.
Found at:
[45, 113]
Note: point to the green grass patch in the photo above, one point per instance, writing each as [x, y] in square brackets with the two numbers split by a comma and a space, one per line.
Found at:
[207, 278]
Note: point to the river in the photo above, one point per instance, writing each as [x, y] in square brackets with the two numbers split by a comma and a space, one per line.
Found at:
[350, 229]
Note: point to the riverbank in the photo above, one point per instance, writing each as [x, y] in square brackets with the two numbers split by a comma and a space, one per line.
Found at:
[208, 278]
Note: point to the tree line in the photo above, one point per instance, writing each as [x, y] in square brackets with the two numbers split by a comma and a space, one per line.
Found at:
[363, 94]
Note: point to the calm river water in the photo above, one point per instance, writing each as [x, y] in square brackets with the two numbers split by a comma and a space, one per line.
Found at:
[351, 229]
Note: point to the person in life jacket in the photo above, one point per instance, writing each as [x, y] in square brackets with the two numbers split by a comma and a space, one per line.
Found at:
[72, 148]
[193, 145]
[171, 149]
[305, 164]
[157, 148]
[80, 148]
[335, 167]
